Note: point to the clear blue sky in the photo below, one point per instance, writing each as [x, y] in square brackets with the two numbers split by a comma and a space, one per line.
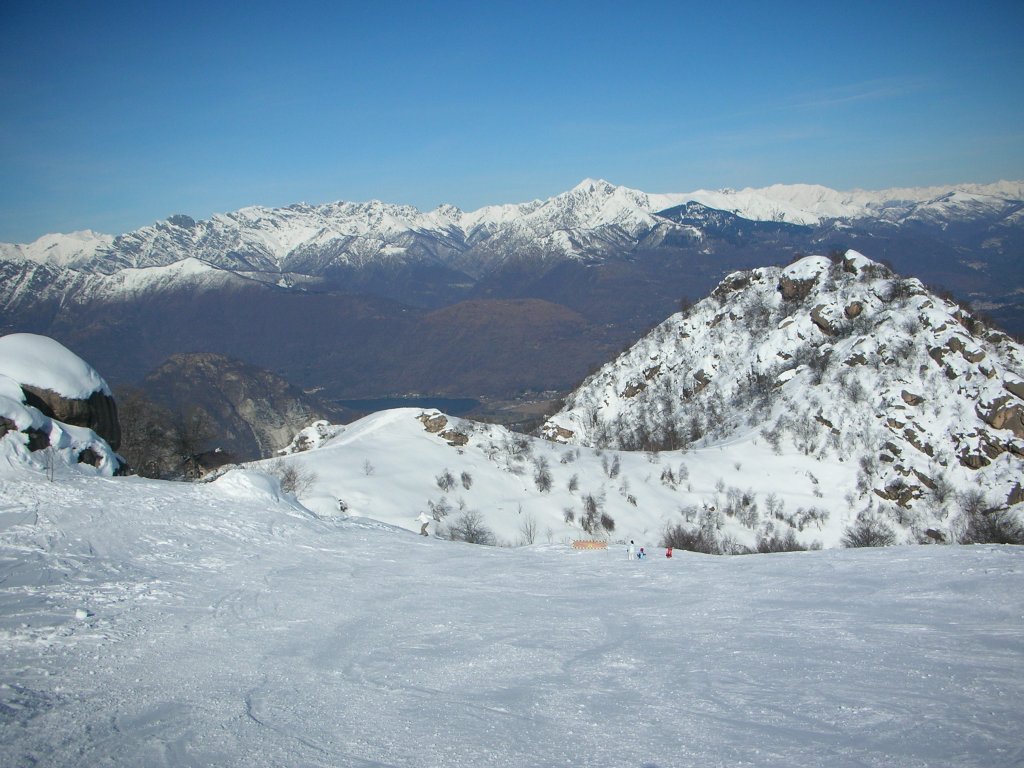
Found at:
[115, 115]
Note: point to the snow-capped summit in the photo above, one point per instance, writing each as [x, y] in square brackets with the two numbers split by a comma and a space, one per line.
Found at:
[59, 250]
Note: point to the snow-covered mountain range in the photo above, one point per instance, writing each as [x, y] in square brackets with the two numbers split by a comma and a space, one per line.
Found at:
[306, 239]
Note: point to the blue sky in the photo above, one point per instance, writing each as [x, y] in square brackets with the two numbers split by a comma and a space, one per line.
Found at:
[116, 115]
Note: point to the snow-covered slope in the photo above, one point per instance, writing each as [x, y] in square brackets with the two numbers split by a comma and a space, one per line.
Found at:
[147, 623]
[898, 396]
[226, 623]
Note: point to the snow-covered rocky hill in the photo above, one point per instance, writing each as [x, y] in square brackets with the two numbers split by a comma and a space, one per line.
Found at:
[900, 400]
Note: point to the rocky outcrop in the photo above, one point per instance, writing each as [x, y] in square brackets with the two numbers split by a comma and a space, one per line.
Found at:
[98, 412]
[1004, 413]
[435, 423]
[823, 323]
[252, 412]
[793, 289]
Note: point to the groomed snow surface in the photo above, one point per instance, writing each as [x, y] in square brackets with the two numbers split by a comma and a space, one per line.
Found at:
[159, 624]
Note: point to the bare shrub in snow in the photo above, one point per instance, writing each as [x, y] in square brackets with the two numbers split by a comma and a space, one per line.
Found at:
[868, 531]
[982, 524]
[589, 521]
[467, 480]
[440, 510]
[469, 527]
[779, 542]
[528, 528]
[574, 483]
[683, 537]
[293, 478]
[542, 475]
[773, 436]
[446, 481]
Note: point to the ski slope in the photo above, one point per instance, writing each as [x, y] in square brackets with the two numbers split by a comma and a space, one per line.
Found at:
[160, 624]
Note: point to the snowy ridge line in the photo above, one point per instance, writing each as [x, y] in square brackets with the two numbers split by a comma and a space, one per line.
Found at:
[276, 237]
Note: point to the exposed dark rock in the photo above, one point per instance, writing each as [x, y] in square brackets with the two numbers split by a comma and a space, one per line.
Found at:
[435, 423]
[89, 456]
[37, 439]
[822, 322]
[703, 378]
[793, 289]
[98, 412]
[910, 398]
[251, 412]
[1004, 413]
[1016, 495]
[454, 437]
[634, 389]
[1016, 388]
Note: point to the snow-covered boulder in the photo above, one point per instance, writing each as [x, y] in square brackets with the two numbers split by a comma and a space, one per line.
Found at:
[54, 407]
[60, 384]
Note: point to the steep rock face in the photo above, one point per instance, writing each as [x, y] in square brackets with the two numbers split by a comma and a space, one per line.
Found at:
[914, 396]
[252, 413]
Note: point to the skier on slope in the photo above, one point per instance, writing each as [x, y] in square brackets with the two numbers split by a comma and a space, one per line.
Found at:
[631, 551]
[424, 521]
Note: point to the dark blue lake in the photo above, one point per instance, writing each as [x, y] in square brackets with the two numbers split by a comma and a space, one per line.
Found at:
[454, 406]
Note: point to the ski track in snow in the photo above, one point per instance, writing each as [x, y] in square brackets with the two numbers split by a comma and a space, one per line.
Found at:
[158, 624]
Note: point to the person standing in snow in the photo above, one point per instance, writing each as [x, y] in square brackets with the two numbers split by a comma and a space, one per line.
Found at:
[641, 554]
[631, 551]
[424, 521]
